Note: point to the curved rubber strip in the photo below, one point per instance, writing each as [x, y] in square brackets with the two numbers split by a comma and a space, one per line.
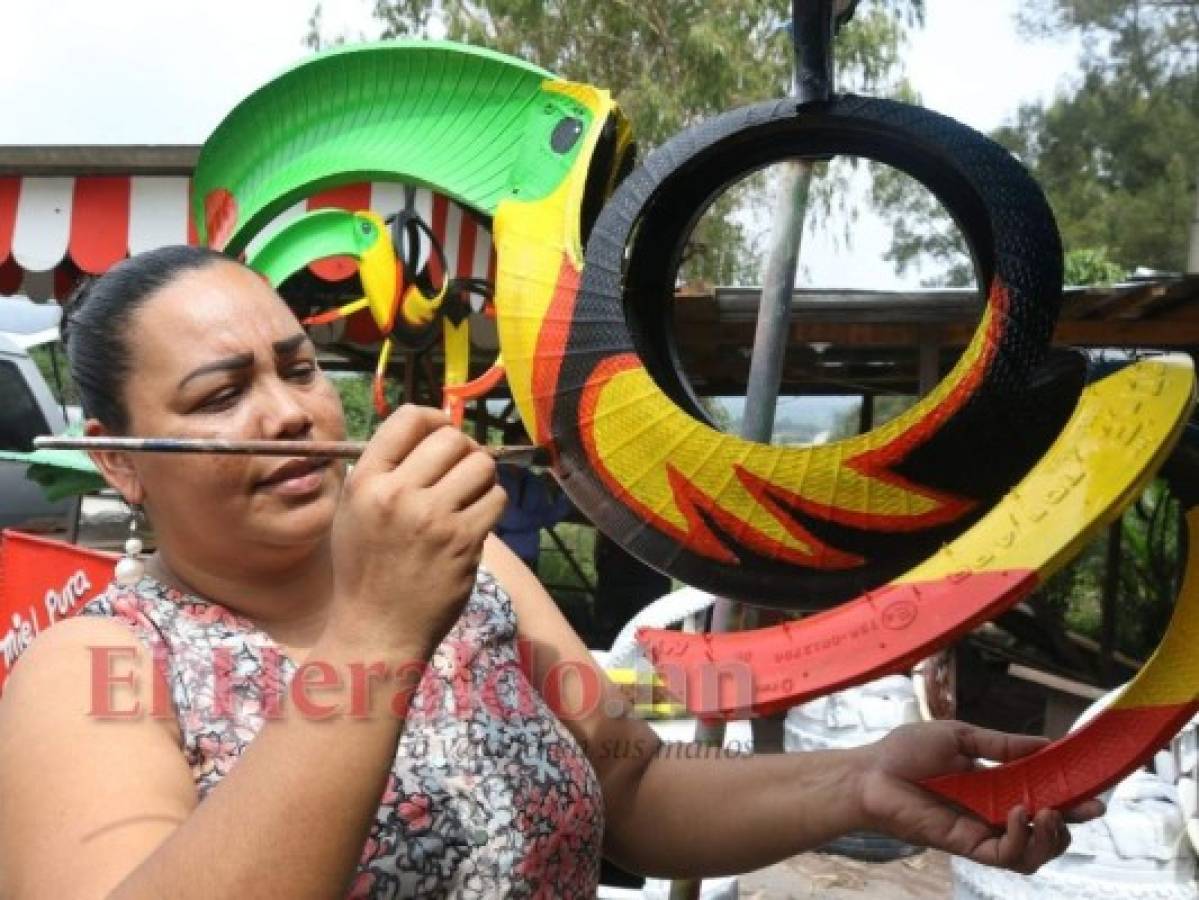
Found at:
[1154, 706]
[669, 609]
[361, 236]
[316, 235]
[1123, 429]
[476, 387]
[782, 526]
[432, 113]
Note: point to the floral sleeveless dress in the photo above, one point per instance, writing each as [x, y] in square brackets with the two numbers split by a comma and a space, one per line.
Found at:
[489, 795]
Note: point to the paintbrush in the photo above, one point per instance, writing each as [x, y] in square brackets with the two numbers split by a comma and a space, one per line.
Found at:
[509, 455]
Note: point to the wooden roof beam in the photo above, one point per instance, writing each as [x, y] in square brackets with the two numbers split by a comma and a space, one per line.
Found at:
[99, 159]
[1145, 333]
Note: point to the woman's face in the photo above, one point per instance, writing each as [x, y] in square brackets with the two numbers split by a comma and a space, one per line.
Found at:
[217, 354]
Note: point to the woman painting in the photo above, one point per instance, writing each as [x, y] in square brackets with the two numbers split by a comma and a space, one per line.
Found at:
[328, 685]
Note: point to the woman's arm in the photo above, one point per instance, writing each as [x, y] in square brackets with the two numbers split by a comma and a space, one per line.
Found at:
[682, 810]
[93, 805]
[706, 816]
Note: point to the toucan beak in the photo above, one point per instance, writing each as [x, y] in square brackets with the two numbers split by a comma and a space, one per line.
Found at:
[380, 273]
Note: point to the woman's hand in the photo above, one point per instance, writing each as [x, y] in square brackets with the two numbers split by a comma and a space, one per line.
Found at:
[893, 802]
[409, 532]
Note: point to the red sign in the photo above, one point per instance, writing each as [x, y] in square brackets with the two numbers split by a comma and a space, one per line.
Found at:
[42, 582]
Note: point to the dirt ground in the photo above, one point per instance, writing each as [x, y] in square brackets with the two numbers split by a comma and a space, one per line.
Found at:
[922, 877]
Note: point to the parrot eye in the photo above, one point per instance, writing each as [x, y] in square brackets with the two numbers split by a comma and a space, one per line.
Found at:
[566, 134]
[367, 227]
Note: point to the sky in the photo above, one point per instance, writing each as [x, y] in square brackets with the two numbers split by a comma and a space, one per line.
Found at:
[143, 71]
[166, 71]
[969, 63]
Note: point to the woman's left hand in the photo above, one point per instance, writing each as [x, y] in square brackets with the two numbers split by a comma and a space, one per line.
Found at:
[893, 802]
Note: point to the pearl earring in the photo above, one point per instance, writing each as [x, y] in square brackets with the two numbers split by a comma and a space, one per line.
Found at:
[130, 567]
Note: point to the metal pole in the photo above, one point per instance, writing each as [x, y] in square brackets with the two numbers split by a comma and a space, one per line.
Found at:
[866, 414]
[928, 370]
[812, 33]
[1109, 601]
[1193, 254]
[774, 313]
[928, 373]
[76, 517]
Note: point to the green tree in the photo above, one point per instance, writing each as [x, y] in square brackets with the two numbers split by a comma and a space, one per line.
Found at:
[1088, 265]
[51, 361]
[1151, 563]
[922, 233]
[670, 63]
[1118, 157]
[356, 403]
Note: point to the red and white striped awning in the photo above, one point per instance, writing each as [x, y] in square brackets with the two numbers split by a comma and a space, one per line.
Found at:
[52, 229]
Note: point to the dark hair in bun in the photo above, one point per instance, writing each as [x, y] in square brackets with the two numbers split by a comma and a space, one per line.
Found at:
[96, 325]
